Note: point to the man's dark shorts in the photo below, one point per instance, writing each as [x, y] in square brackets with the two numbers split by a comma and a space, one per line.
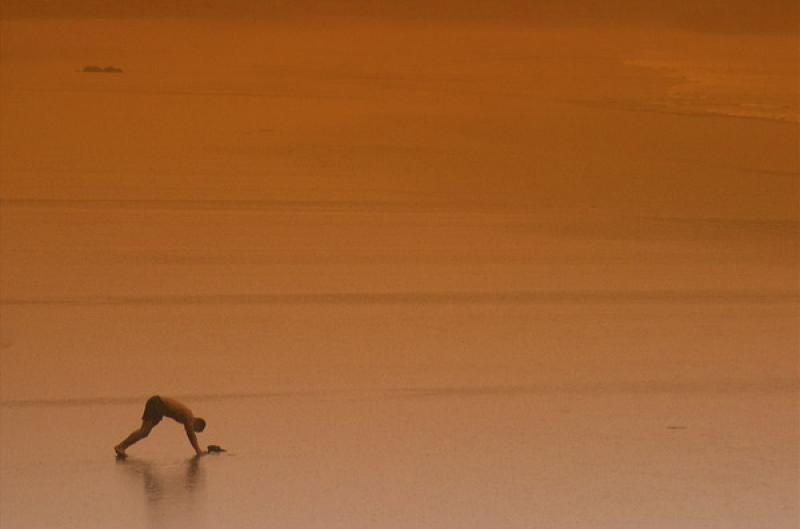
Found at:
[153, 410]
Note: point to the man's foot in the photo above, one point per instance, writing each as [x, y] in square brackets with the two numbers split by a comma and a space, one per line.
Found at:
[120, 452]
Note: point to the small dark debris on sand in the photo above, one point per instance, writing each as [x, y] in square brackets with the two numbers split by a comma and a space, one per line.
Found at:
[676, 427]
[215, 449]
[98, 69]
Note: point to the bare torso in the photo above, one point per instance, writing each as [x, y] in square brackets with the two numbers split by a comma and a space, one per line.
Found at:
[177, 410]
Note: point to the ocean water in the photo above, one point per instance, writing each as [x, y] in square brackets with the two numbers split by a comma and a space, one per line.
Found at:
[250, 301]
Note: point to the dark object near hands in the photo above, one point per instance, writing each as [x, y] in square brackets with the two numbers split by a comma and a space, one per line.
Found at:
[215, 449]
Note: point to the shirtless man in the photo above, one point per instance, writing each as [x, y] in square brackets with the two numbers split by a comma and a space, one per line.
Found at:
[156, 409]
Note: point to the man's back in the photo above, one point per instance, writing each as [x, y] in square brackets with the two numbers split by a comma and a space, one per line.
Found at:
[177, 410]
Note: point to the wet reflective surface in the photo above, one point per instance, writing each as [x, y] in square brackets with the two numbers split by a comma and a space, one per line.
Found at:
[662, 459]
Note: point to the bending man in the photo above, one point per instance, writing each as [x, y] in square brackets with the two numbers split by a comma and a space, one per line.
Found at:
[156, 409]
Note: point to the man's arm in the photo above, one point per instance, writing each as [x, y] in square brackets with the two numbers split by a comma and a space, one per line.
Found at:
[189, 427]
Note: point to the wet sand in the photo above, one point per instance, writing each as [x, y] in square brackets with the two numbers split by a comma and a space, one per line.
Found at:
[712, 457]
[596, 415]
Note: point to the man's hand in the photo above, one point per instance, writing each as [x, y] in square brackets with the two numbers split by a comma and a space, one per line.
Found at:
[189, 427]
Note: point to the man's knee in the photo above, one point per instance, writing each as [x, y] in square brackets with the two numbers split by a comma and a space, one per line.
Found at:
[145, 429]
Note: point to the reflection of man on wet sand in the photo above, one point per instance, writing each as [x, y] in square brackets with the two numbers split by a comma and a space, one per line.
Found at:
[156, 409]
[172, 493]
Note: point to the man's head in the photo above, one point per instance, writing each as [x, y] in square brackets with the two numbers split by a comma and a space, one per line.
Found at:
[199, 424]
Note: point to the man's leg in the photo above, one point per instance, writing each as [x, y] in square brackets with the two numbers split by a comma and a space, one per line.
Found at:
[134, 437]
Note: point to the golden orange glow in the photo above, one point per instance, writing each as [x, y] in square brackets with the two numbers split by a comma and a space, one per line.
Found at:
[419, 264]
